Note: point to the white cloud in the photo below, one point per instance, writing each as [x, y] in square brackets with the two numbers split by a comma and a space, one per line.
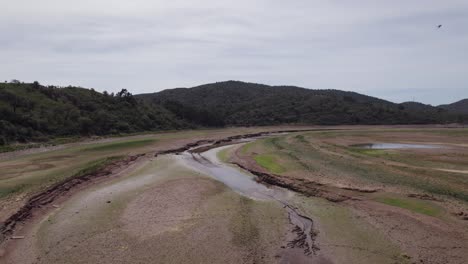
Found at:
[376, 47]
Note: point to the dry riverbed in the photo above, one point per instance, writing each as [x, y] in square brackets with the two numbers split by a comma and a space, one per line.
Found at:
[401, 194]
[304, 202]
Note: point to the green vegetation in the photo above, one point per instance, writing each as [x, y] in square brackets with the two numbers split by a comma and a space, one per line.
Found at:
[298, 153]
[95, 166]
[239, 103]
[243, 227]
[369, 152]
[269, 162]
[457, 107]
[223, 155]
[245, 149]
[342, 227]
[32, 112]
[120, 145]
[418, 206]
[9, 188]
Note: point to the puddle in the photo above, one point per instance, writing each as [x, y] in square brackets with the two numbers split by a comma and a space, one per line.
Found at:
[244, 184]
[239, 181]
[396, 146]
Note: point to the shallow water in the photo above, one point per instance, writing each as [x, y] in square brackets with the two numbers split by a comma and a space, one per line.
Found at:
[239, 181]
[244, 184]
[396, 146]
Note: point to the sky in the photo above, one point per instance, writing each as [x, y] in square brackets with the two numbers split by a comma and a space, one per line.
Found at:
[389, 49]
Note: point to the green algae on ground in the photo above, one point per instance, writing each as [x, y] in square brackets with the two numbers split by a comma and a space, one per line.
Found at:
[223, 155]
[269, 162]
[422, 207]
[120, 145]
[341, 230]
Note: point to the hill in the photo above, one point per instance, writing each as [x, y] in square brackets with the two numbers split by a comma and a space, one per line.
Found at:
[460, 107]
[35, 112]
[238, 103]
[30, 111]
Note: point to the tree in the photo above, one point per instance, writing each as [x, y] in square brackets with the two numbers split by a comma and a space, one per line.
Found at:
[36, 84]
[124, 93]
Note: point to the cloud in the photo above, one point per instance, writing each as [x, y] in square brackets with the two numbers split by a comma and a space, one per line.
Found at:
[376, 47]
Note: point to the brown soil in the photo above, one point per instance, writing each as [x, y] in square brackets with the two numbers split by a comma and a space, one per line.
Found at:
[37, 204]
[170, 207]
[40, 201]
[180, 218]
[305, 186]
[424, 239]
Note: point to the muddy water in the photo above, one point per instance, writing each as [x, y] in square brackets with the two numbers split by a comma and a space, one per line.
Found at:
[396, 146]
[243, 183]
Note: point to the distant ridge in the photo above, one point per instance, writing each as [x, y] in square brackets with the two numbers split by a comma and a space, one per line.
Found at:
[33, 112]
[460, 107]
[241, 103]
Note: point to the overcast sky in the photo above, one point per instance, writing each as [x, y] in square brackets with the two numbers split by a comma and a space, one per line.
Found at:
[389, 49]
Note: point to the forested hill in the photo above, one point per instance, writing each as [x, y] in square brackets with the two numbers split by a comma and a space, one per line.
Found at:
[239, 103]
[457, 107]
[32, 112]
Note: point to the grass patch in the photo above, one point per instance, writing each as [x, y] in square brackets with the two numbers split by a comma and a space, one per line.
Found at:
[95, 165]
[246, 148]
[368, 152]
[243, 227]
[269, 162]
[275, 143]
[36, 185]
[8, 190]
[121, 145]
[301, 139]
[46, 143]
[223, 155]
[10, 148]
[422, 207]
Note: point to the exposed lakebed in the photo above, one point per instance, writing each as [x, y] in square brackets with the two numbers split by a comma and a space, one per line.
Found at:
[245, 184]
[396, 146]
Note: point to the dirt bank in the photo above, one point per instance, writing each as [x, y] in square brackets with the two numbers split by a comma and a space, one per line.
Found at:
[39, 203]
[159, 213]
[423, 235]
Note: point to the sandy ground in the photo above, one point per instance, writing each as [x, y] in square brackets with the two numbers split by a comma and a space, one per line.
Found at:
[425, 239]
[28, 172]
[161, 213]
[419, 238]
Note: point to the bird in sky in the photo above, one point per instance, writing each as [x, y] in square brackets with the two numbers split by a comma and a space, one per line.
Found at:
[439, 26]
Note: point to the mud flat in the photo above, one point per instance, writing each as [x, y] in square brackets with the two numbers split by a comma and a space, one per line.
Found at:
[190, 203]
[398, 192]
[159, 213]
[302, 234]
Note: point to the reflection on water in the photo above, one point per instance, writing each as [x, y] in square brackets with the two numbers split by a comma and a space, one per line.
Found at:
[396, 146]
[208, 163]
[239, 181]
